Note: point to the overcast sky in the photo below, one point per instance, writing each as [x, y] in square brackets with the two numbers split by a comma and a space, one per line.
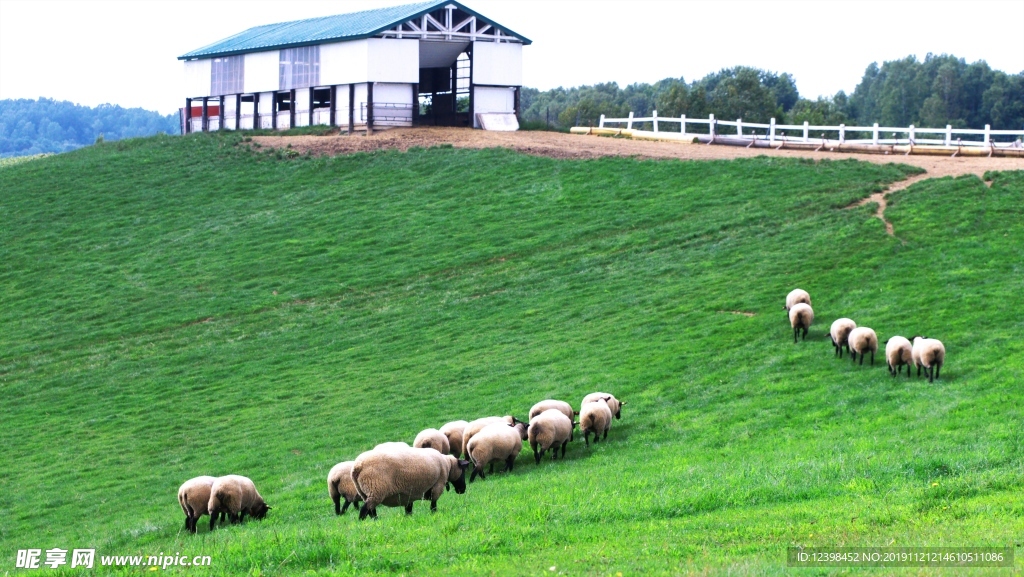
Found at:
[124, 52]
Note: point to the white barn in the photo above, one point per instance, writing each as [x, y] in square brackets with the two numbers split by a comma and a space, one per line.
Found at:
[430, 63]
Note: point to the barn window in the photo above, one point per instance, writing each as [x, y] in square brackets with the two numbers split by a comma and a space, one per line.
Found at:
[300, 67]
[226, 75]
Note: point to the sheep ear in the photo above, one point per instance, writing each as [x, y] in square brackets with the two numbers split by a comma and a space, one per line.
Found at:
[623, 403]
[463, 464]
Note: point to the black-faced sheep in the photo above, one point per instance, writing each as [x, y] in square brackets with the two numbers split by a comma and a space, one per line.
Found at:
[432, 439]
[339, 484]
[613, 403]
[549, 430]
[453, 431]
[929, 354]
[476, 426]
[862, 340]
[194, 498]
[796, 296]
[237, 495]
[398, 478]
[595, 418]
[561, 406]
[898, 352]
[839, 333]
[495, 442]
[801, 315]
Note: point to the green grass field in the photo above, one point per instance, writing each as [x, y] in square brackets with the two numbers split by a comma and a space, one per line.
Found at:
[173, 307]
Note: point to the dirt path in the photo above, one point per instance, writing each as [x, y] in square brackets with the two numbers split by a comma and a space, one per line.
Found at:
[560, 145]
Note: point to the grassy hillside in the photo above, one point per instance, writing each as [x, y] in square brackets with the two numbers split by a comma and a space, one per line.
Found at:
[183, 306]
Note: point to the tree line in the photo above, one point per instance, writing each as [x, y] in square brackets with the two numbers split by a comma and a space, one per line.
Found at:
[49, 126]
[935, 92]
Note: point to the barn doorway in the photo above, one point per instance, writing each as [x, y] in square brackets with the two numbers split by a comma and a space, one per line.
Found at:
[443, 93]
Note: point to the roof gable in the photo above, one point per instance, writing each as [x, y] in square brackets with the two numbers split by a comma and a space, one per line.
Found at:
[341, 27]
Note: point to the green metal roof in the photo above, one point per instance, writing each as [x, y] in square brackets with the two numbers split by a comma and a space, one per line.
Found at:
[341, 27]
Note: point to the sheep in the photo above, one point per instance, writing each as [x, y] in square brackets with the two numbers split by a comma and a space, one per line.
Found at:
[453, 431]
[194, 496]
[797, 296]
[562, 406]
[476, 426]
[898, 352]
[397, 478]
[595, 418]
[392, 445]
[432, 439]
[614, 404]
[495, 442]
[861, 340]
[801, 315]
[339, 484]
[237, 495]
[549, 429]
[930, 354]
[840, 332]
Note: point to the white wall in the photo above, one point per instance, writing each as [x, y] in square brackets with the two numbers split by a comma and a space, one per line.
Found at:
[384, 93]
[262, 71]
[343, 62]
[197, 78]
[370, 59]
[492, 99]
[497, 64]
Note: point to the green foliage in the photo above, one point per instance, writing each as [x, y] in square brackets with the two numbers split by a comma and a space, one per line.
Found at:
[188, 305]
[30, 127]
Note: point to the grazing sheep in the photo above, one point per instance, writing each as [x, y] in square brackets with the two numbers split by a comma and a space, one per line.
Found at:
[549, 429]
[930, 354]
[476, 426]
[840, 332]
[432, 439]
[860, 341]
[397, 478]
[595, 418]
[801, 315]
[898, 352]
[495, 442]
[561, 406]
[453, 431]
[797, 296]
[237, 495]
[194, 497]
[339, 484]
[614, 404]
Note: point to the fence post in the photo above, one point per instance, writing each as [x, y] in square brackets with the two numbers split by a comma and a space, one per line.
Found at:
[771, 131]
[988, 136]
[655, 116]
[874, 134]
[842, 133]
[682, 124]
[629, 123]
[711, 125]
[949, 134]
[911, 135]
[601, 124]
[806, 130]
[739, 127]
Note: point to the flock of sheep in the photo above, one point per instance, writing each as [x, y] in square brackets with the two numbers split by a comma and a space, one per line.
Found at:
[395, 474]
[922, 352]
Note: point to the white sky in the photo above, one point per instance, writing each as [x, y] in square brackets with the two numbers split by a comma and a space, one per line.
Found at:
[124, 52]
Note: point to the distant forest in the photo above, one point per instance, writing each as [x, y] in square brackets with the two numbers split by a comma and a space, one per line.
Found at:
[37, 126]
[939, 91]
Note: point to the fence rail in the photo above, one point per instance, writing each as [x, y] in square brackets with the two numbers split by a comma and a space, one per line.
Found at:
[772, 132]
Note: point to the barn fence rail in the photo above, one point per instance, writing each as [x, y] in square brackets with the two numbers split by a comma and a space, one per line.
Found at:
[384, 114]
[772, 132]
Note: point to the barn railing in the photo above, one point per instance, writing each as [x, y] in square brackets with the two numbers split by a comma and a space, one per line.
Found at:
[829, 135]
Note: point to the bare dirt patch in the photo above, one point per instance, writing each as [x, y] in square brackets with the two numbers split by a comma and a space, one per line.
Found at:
[883, 203]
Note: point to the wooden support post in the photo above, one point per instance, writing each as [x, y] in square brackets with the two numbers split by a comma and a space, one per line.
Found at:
[600, 123]
[188, 116]
[334, 104]
[711, 126]
[220, 114]
[472, 101]
[310, 106]
[739, 127]
[291, 108]
[911, 135]
[256, 122]
[206, 114]
[369, 108]
[415, 103]
[238, 112]
[988, 135]
[351, 106]
[273, 109]
[517, 102]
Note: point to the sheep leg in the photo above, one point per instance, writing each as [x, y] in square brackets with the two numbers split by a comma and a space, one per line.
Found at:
[564, 443]
[938, 369]
[931, 374]
[489, 471]
[586, 437]
[408, 508]
[337, 504]
[433, 505]
[919, 370]
[343, 509]
[872, 358]
[862, 358]
[804, 337]
[213, 519]
[795, 331]
[605, 434]
[853, 355]
[509, 462]
[536, 457]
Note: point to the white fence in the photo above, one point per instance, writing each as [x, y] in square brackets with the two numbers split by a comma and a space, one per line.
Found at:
[828, 135]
